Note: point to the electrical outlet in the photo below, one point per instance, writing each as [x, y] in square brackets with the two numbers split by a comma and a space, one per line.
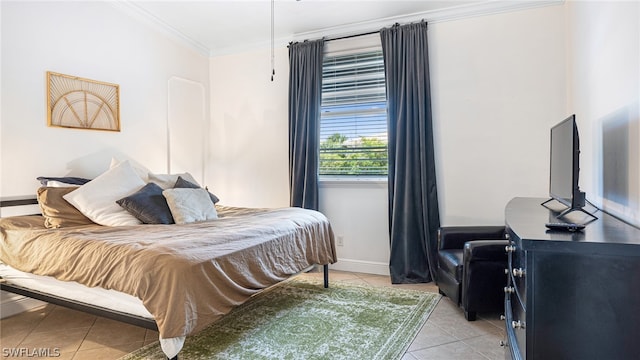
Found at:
[340, 240]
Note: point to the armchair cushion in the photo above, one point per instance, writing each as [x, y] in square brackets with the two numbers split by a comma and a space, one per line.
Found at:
[454, 237]
[485, 250]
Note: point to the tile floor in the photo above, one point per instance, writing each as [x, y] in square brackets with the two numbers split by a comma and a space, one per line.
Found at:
[446, 334]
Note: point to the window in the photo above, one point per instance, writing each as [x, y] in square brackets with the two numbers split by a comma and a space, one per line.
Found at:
[353, 119]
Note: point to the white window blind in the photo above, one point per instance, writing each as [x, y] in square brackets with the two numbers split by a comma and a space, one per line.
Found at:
[353, 120]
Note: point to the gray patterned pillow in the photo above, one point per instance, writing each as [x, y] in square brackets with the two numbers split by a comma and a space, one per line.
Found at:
[182, 183]
[190, 205]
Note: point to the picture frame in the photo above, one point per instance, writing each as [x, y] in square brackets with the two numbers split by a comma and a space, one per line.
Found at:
[79, 103]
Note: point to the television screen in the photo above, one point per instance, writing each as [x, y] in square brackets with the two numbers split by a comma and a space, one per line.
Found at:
[565, 168]
[565, 150]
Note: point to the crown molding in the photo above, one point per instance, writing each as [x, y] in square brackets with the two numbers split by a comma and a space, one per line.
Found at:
[146, 17]
[434, 16]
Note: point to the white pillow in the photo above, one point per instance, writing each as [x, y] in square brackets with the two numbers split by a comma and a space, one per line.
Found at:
[190, 205]
[54, 183]
[167, 181]
[97, 198]
[142, 171]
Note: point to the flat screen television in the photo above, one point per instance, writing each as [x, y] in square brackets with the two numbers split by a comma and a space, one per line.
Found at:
[565, 166]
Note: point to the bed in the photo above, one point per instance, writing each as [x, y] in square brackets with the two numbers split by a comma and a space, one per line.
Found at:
[176, 278]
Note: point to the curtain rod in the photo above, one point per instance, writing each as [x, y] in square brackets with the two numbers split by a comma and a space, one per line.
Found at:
[352, 36]
[361, 34]
[342, 37]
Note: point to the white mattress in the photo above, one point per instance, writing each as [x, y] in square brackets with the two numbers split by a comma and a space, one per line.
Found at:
[71, 290]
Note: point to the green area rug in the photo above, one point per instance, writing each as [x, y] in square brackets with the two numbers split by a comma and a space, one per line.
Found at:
[299, 319]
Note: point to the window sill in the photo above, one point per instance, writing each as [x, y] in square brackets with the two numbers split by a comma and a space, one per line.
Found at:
[352, 180]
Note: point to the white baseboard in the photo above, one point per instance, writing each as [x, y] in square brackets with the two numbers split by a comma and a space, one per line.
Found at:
[367, 267]
[14, 304]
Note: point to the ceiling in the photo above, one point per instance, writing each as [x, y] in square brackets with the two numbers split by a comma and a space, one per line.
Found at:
[216, 27]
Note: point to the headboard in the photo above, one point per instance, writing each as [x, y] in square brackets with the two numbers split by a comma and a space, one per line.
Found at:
[21, 205]
[18, 201]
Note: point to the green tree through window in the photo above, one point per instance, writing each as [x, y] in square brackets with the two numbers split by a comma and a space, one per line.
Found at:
[365, 156]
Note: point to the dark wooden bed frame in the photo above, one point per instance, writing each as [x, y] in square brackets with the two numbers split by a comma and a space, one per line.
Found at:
[78, 305]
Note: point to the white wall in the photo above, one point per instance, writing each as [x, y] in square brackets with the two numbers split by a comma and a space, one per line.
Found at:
[359, 216]
[249, 129]
[498, 84]
[93, 40]
[604, 87]
[188, 125]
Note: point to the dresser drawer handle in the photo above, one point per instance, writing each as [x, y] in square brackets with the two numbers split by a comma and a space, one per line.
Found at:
[510, 248]
[517, 324]
[509, 289]
[518, 272]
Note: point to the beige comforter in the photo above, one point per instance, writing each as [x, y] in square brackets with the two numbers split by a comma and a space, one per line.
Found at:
[187, 276]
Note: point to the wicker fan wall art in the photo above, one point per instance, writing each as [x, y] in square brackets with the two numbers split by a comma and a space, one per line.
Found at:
[74, 102]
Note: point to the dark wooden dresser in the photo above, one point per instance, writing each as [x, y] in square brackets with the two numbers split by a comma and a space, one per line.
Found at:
[571, 295]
